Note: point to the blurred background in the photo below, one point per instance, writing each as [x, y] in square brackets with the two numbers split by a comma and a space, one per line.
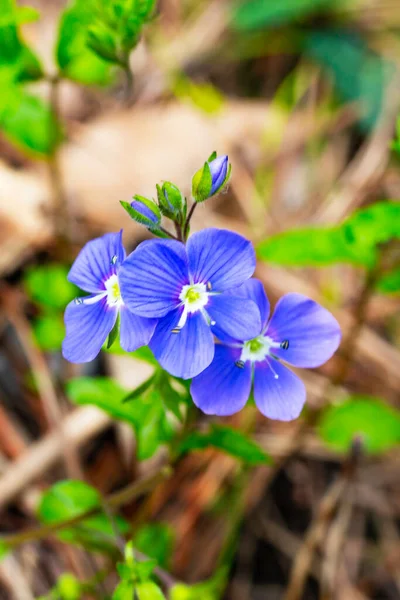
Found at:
[303, 95]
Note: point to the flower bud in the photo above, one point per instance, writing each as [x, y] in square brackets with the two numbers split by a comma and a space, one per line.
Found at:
[170, 200]
[210, 180]
[143, 211]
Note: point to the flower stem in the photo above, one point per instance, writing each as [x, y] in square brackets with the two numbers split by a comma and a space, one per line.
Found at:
[168, 233]
[187, 223]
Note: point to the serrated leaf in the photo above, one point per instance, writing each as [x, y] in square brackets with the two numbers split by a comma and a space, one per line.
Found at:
[375, 422]
[48, 286]
[68, 499]
[231, 441]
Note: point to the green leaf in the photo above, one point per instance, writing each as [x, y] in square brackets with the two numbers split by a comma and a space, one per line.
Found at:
[29, 122]
[124, 590]
[360, 75]
[15, 56]
[229, 440]
[156, 541]
[68, 499]
[390, 282]
[356, 241]
[74, 57]
[141, 389]
[255, 14]
[149, 591]
[365, 416]
[49, 332]
[147, 414]
[69, 587]
[206, 590]
[139, 217]
[48, 286]
[4, 550]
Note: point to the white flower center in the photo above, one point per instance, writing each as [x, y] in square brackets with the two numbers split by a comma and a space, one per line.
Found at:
[257, 349]
[194, 297]
[113, 292]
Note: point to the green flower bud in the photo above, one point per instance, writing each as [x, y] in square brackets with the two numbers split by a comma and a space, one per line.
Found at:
[170, 200]
[143, 211]
[212, 178]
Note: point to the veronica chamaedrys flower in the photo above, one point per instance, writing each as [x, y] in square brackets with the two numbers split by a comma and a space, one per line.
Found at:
[300, 332]
[89, 319]
[185, 287]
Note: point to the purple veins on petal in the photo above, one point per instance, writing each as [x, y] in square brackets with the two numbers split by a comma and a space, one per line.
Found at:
[87, 327]
[237, 317]
[253, 289]
[223, 258]
[278, 393]
[135, 331]
[223, 388]
[96, 262]
[311, 332]
[186, 353]
[152, 277]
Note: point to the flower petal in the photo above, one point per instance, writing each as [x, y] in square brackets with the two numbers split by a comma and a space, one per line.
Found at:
[187, 353]
[152, 277]
[135, 331]
[237, 317]
[97, 261]
[88, 325]
[221, 258]
[223, 388]
[254, 290]
[281, 397]
[312, 331]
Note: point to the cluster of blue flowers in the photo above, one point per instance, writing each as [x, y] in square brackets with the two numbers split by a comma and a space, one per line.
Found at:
[198, 308]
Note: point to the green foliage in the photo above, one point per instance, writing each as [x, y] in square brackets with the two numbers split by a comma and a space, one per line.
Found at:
[356, 241]
[156, 541]
[204, 96]
[147, 414]
[28, 121]
[255, 14]
[202, 183]
[49, 331]
[17, 62]
[376, 423]
[4, 550]
[206, 590]
[228, 440]
[360, 75]
[390, 282]
[48, 286]
[68, 499]
[74, 57]
[135, 579]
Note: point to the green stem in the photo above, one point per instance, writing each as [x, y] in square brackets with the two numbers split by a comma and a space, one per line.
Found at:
[187, 223]
[114, 500]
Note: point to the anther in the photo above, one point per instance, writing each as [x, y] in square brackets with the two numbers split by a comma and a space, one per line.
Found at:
[78, 301]
[240, 364]
[176, 330]
[284, 345]
[209, 286]
[114, 260]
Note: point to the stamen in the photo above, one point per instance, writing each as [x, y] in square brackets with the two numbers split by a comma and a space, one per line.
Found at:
[182, 321]
[276, 376]
[78, 300]
[209, 286]
[240, 364]
[284, 345]
[114, 259]
[175, 330]
[213, 323]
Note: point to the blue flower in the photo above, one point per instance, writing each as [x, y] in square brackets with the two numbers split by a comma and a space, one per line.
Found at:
[300, 332]
[90, 319]
[185, 287]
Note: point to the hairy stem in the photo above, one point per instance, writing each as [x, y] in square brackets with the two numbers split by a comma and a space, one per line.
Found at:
[187, 223]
